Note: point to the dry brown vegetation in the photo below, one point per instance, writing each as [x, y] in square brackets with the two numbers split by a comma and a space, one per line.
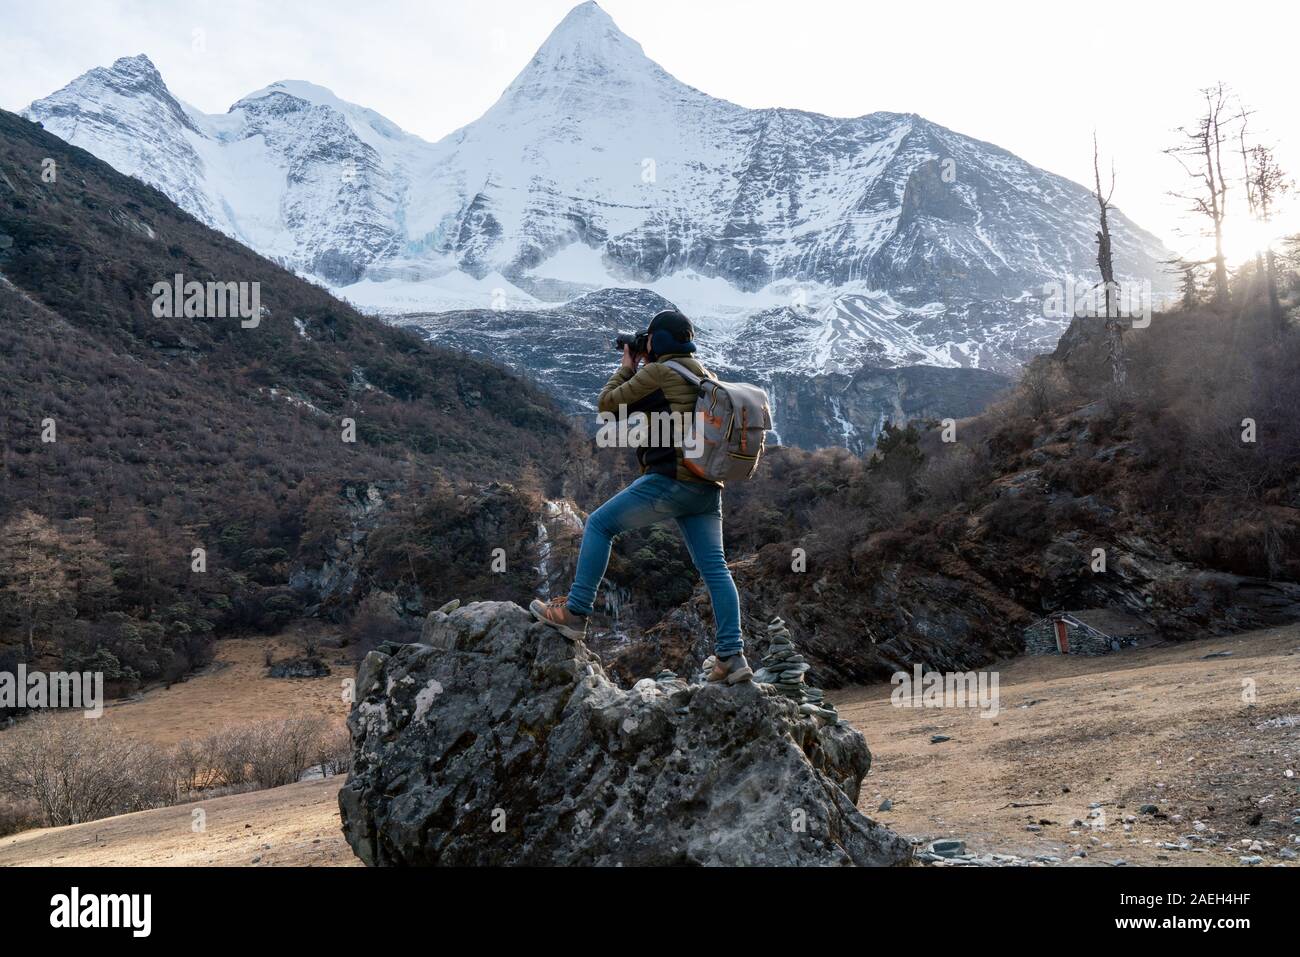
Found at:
[71, 771]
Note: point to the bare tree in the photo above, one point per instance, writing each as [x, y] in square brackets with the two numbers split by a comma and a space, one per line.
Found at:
[33, 579]
[1265, 183]
[1106, 265]
[1200, 153]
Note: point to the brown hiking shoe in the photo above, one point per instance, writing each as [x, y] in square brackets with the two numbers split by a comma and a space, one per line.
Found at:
[556, 614]
[732, 670]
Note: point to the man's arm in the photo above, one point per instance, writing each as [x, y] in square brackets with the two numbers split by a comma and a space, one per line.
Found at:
[624, 387]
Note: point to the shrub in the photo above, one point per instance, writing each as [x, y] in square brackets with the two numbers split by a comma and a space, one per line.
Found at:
[950, 476]
[18, 816]
[265, 755]
[73, 770]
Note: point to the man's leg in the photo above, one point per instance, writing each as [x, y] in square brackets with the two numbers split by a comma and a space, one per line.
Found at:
[634, 507]
[703, 534]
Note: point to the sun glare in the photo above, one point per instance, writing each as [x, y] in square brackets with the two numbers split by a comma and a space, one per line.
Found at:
[1244, 236]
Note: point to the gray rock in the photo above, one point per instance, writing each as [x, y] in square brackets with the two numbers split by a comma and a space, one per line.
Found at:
[304, 667]
[496, 742]
[947, 848]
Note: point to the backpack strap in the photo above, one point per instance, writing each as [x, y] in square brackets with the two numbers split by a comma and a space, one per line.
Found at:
[685, 373]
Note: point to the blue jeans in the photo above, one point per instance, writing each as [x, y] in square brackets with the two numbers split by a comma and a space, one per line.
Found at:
[697, 508]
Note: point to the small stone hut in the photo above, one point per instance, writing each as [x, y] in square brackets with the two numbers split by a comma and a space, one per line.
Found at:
[1092, 631]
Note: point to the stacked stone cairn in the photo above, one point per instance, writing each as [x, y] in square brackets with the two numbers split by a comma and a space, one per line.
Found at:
[784, 668]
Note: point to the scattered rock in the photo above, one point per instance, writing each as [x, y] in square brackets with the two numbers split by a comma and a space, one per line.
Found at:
[947, 847]
[939, 738]
[308, 666]
[886, 805]
[531, 755]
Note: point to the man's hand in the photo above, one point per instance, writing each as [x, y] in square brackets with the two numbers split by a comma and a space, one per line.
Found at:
[630, 362]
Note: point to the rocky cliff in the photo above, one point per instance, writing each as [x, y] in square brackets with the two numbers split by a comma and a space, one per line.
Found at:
[493, 741]
[849, 410]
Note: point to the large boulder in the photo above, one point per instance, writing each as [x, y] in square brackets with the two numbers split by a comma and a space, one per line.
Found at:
[495, 741]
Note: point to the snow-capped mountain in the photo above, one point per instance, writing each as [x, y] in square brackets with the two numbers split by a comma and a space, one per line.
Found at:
[290, 171]
[799, 242]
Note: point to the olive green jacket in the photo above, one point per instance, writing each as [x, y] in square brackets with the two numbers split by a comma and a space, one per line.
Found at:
[655, 388]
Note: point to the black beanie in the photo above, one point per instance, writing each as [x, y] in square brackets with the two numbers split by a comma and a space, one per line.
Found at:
[670, 331]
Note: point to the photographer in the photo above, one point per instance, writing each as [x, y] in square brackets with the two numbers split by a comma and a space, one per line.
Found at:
[666, 489]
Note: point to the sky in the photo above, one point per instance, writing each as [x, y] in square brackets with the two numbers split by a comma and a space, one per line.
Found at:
[1036, 78]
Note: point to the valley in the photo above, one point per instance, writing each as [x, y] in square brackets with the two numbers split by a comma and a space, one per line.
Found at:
[1160, 725]
[368, 433]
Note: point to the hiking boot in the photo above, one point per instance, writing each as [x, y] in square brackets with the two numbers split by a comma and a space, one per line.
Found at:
[732, 670]
[556, 614]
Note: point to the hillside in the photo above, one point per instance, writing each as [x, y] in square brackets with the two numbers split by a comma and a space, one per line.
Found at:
[227, 434]
[941, 552]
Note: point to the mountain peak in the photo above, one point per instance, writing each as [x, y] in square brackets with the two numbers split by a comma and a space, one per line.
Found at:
[298, 89]
[586, 17]
[129, 79]
[587, 34]
[140, 63]
[586, 43]
[129, 73]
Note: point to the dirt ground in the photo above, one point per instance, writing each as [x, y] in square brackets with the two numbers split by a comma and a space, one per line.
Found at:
[1159, 726]
[300, 823]
[234, 690]
[293, 825]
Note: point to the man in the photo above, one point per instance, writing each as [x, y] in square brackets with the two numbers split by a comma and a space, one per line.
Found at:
[666, 489]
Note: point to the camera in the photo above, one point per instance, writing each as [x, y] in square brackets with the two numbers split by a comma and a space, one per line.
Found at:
[638, 342]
